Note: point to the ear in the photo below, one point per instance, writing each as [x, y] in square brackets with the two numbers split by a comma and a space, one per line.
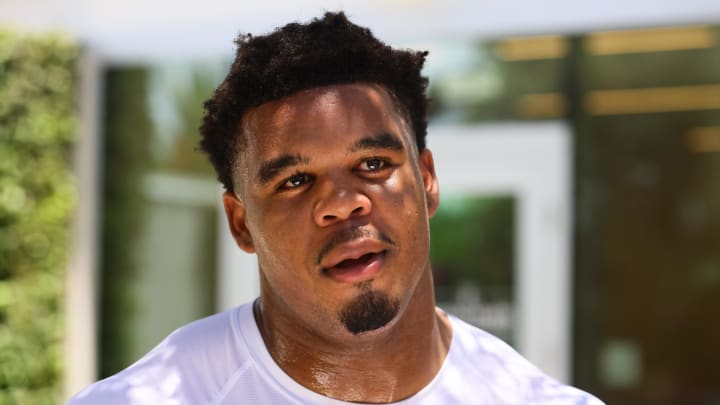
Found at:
[430, 183]
[235, 212]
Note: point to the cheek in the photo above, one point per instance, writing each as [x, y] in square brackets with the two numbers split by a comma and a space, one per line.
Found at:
[276, 224]
[283, 265]
[405, 199]
[407, 194]
[281, 239]
[269, 237]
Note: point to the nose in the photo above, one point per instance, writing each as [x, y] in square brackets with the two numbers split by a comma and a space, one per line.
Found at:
[339, 203]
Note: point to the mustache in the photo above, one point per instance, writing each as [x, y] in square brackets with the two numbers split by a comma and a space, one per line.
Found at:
[348, 235]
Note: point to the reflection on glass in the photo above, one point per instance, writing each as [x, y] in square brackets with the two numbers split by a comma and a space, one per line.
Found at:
[472, 257]
[643, 105]
[176, 93]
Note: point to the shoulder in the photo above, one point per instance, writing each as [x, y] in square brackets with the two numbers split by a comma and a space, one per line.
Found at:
[188, 366]
[504, 374]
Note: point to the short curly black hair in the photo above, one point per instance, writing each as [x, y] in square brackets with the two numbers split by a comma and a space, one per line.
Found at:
[328, 50]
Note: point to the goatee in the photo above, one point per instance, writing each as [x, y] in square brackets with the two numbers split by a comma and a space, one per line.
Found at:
[369, 311]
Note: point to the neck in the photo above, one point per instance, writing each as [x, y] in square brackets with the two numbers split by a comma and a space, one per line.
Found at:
[385, 366]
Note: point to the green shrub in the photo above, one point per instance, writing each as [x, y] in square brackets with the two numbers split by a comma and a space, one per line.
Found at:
[37, 128]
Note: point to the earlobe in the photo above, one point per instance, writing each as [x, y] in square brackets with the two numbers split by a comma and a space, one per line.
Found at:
[430, 183]
[235, 212]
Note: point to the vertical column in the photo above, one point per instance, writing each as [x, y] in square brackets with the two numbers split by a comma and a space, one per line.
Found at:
[82, 272]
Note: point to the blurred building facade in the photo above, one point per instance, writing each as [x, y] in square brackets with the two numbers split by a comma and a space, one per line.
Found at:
[642, 108]
[612, 234]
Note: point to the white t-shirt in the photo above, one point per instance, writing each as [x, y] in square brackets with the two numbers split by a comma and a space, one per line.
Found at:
[222, 360]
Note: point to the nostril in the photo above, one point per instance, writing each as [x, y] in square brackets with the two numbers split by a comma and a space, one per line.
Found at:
[341, 205]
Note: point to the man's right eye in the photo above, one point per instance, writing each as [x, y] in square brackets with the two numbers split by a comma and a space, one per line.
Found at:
[294, 181]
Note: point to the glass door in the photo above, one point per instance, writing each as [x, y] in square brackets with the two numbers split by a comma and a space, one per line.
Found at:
[501, 238]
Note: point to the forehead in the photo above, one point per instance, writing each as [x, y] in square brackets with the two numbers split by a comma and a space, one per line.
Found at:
[337, 107]
[323, 116]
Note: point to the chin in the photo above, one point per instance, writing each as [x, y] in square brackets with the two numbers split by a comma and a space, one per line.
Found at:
[370, 311]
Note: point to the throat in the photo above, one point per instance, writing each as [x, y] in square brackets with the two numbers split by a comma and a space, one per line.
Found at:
[382, 365]
[381, 372]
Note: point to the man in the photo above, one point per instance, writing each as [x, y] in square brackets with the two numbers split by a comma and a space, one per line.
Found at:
[318, 135]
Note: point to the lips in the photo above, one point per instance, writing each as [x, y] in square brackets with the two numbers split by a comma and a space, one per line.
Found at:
[355, 261]
[362, 260]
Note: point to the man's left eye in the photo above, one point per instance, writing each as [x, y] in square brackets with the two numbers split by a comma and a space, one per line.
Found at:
[372, 165]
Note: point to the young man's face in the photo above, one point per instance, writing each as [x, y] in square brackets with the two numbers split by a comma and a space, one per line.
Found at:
[332, 195]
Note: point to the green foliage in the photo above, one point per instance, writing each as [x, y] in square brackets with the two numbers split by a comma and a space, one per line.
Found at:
[37, 127]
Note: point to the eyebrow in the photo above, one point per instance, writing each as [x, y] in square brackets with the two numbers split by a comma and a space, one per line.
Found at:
[272, 167]
[381, 141]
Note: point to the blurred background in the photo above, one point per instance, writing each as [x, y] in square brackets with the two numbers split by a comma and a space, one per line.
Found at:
[577, 145]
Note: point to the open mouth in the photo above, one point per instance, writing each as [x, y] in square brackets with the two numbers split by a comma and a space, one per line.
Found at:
[362, 260]
[356, 269]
